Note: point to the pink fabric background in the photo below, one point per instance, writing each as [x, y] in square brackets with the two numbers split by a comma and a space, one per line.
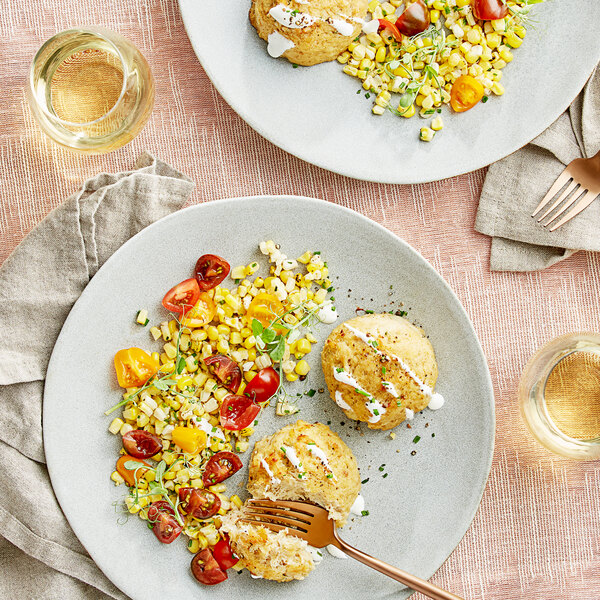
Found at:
[536, 535]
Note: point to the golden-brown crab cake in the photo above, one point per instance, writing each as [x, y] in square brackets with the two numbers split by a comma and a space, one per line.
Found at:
[307, 33]
[306, 461]
[276, 556]
[380, 369]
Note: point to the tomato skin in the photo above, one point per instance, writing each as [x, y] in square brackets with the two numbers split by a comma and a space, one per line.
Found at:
[384, 24]
[141, 444]
[263, 385]
[201, 313]
[164, 524]
[199, 503]
[127, 474]
[206, 569]
[210, 271]
[134, 367]
[220, 467]
[265, 308]
[182, 297]
[489, 10]
[237, 412]
[225, 370]
[414, 19]
[223, 553]
[466, 93]
[189, 439]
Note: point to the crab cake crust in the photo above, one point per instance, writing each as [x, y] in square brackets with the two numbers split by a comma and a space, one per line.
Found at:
[371, 364]
[305, 461]
[320, 41]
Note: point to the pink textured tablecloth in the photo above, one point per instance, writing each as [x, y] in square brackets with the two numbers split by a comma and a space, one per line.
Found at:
[536, 535]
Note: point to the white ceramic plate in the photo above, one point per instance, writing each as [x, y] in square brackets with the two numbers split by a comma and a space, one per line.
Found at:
[418, 514]
[316, 114]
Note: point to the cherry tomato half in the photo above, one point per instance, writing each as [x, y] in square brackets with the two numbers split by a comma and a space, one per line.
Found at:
[385, 25]
[263, 385]
[237, 412]
[225, 370]
[210, 271]
[134, 367]
[466, 93]
[414, 19]
[141, 444]
[130, 475]
[199, 503]
[223, 553]
[220, 466]
[202, 312]
[164, 524]
[489, 10]
[182, 297]
[206, 569]
[265, 308]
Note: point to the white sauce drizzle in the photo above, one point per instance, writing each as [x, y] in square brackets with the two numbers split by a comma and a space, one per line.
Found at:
[371, 26]
[342, 27]
[373, 406]
[278, 44]
[291, 455]
[293, 19]
[327, 314]
[376, 409]
[410, 414]
[316, 554]
[391, 388]
[339, 400]
[358, 506]
[210, 430]
[335, 551]
[318, 452]
[274, 480]
[426, 390]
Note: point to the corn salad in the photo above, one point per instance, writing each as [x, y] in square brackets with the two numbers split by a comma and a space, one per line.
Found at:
[422, 69]
[192, 396]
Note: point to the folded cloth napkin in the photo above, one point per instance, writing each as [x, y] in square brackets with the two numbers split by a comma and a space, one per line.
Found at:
[39, 283]
[515, 185]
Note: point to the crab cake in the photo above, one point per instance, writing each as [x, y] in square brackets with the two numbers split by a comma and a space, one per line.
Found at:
[306, 461]
[380, 369]
[307, 33]
[277, 556]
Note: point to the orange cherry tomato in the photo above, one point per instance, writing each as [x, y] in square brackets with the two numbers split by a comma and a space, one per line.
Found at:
[189, 439]
[265, 308]
[182, 297]
[134, 367]
[385, 25]
[466, 93]
[130, 475]
[202, 313]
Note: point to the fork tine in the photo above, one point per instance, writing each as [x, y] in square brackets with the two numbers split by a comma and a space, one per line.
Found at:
[275, 527]
[556, 187]
[276, 514]
[583, 203]
[567, 191]
[572, 201]
[304, 508]
[300, 525]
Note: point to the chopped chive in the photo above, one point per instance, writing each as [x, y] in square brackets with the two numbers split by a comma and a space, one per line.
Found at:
[311, 393]
[364, 513]
[364, 481]
[384, 475]
[416, 439]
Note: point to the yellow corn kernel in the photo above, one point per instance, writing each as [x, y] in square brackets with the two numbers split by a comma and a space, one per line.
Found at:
[218, 488]
[247, 431]
[115, 425]
[438, 5]
[170, 350]
[193, 546]
[200, 378]
[497, 88]
[359, 52]
[512, 40]
[236, 338]
[213, 333]
[426, 134]
[304, 346]
[131, 414]
[380, 55]
[155, 332]
[173, 326]
[409, 112]
[184, 382]
[506, 55]
[462, 3]
[291, 376]
[236, 501]
[493, 40]
[437, 124]
[252, 354]
[343, 58]
[249, 375]
[142, 420]
[250, 342]
[238, 272]
[116, 477]
[223, 346]
[373, 5]
[520, 30]
[434, 15]
[378, 110]
[302, 367]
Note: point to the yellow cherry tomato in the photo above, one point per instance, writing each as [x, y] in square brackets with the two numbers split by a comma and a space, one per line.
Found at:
[265, 308]
[202, 313]
[189, 439]
[466, 93]
[134, 367]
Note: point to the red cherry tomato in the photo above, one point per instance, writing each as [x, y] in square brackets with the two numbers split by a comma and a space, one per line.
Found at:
[141, 444]
[210, 271]
[225, 370]
[182, 297]
[223, 553]
[164, 524]
[220, 467]
[489, 10]
[199, 503]
[237, 412]
[263, 385]
[414, 19]
[385, 25]
[206, 569]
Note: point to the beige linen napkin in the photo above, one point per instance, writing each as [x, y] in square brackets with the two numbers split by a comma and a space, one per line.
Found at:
[515, 185]
[39, 283]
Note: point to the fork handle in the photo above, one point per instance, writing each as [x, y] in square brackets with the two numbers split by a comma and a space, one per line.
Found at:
[413, 582]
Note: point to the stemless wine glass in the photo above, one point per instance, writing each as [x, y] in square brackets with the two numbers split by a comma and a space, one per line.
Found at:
[90, 89]
[559, 395]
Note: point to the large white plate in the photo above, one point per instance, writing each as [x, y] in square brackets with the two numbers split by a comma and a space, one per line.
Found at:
[418, 513]
[316, 114]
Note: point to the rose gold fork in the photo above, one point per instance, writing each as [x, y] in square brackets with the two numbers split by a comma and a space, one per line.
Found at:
[582, 178]
[312, 523]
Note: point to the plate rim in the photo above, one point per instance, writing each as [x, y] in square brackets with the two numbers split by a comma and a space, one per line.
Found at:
[444, 173]
[52, 455]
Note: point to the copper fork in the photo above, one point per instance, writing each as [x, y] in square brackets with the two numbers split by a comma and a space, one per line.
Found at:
[582, 178]
[312, 523]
